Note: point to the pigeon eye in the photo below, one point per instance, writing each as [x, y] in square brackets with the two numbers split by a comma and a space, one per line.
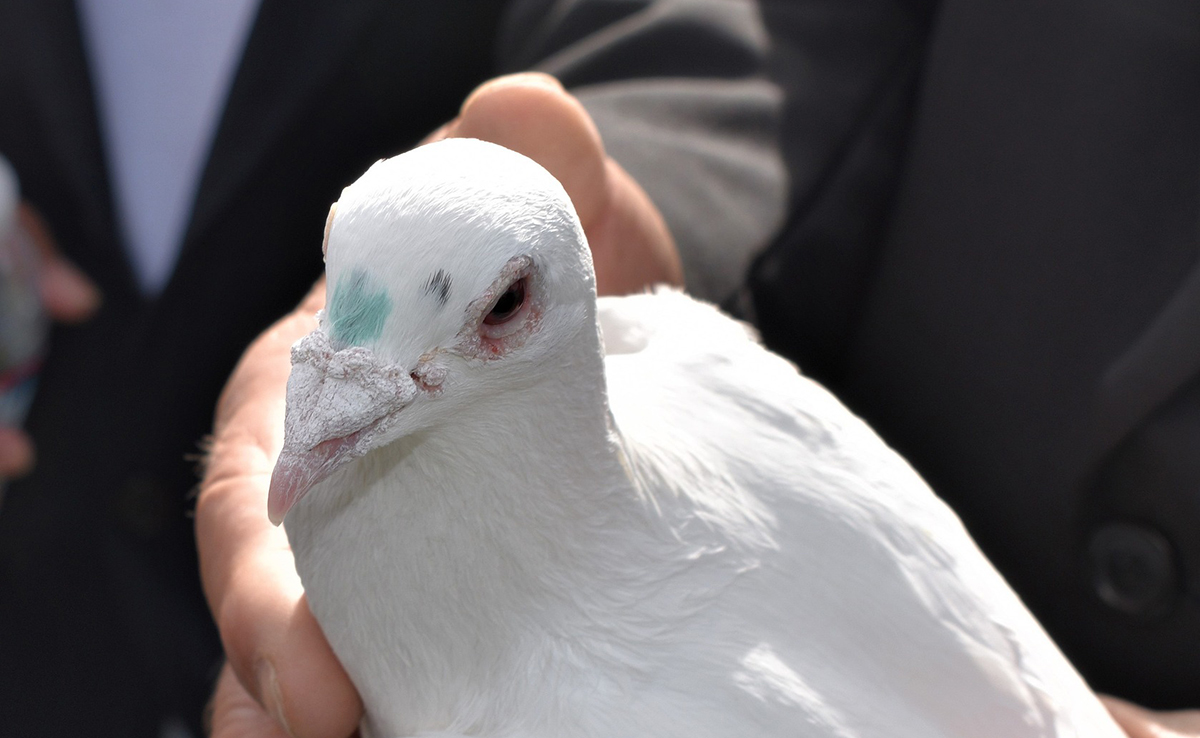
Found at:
[508, 305]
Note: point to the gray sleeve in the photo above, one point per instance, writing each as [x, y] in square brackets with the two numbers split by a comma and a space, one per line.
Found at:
[679, 91]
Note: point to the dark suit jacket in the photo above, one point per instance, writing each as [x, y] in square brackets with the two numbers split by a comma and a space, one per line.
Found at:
[992, 255]
[103, 628]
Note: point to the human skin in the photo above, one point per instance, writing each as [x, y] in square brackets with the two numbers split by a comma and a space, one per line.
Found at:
[1139, 722]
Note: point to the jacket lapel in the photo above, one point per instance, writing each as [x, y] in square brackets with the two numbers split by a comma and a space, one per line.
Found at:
[60, 91]
[292, 50]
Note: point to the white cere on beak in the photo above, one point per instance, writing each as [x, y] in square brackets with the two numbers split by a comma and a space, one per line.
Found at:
[334, 393]
[338, 402]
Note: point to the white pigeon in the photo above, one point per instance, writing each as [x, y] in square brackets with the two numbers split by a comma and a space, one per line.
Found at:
[521, 511]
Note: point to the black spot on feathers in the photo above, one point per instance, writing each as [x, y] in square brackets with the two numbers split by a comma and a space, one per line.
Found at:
[439, 286]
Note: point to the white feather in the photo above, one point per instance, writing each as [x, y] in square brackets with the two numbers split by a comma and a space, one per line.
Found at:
[674, 535]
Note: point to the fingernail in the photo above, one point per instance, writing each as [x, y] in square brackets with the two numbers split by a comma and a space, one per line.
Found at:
[271, 695]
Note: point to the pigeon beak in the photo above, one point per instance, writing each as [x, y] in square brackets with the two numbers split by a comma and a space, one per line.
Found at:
[337, 402]
[296, 472]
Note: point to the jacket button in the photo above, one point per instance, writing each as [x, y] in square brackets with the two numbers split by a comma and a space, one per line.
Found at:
[1133, 569]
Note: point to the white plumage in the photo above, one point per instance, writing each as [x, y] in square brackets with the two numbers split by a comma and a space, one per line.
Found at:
[510, 525]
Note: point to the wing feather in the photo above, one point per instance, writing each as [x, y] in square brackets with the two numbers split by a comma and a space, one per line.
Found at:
[839, 588]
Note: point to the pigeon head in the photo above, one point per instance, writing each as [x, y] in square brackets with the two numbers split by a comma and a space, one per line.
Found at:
[457, 273]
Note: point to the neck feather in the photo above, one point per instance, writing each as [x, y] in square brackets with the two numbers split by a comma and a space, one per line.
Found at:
[476, 548]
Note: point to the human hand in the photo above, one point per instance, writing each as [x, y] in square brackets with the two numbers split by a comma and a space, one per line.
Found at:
[235, 714]
[68, 297]
[1139, 722]
[284, 668]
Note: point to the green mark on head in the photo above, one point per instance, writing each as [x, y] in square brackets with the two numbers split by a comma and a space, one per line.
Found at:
[357, 310]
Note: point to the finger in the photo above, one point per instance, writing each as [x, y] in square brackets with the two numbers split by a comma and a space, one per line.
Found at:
[273, 643]
[631, 245]
[532, 114]
[235, 714]
[444, 131]
[16, 453]
[68, 295]
[1138, 722]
